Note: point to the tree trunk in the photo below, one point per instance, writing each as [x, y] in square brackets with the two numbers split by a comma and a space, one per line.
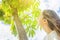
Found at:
[21, 32]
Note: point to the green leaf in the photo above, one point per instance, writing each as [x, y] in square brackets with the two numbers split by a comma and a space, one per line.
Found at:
[13, 29]
[1, 14]
[31, 33]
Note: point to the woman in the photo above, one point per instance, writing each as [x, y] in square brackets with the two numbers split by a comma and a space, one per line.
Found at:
[50, 22]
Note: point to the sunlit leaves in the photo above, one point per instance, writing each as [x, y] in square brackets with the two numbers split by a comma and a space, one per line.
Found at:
[31, 33]
[29, 21]
[0, 6]
[6, 8]
[35, 9]
[24, 4]
[18, 4]
[28, 11]
[7, 20]
[1, 14]
[36, 12]
[30, 29]
[13, 29]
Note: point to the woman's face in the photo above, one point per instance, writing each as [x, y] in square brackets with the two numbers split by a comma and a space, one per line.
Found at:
[41, 20]
[43, 23]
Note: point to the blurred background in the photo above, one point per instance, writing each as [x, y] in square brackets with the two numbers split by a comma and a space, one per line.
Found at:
[9, 33]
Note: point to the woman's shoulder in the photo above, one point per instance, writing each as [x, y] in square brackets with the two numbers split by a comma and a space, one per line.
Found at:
[51, 36]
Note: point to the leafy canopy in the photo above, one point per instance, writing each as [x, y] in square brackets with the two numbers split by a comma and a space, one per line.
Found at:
[28, 11]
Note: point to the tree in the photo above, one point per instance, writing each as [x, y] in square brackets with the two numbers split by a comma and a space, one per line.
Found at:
[19, 13]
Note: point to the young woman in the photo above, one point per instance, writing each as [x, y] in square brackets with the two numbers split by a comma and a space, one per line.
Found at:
[50, 22]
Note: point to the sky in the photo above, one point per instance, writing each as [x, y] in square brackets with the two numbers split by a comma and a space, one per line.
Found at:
[50, 4]
[40, 34]
[5, 33]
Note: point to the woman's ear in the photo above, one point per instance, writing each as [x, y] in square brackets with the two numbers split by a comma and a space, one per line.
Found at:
[45, 23]
[45, 26]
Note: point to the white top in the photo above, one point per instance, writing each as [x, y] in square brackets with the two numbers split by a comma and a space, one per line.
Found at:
[52, 36]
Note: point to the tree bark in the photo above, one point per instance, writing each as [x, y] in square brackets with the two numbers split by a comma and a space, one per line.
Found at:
[21, 31]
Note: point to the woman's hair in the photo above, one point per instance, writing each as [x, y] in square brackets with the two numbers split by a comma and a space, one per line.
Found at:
[52, 19]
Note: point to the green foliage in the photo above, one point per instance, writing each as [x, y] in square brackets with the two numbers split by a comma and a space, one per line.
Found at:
[6, 8]
[7, 20]
[36, 12]
[13, 29]
[1, 14]
[28, 19]
[20, 5]
[28, 11]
